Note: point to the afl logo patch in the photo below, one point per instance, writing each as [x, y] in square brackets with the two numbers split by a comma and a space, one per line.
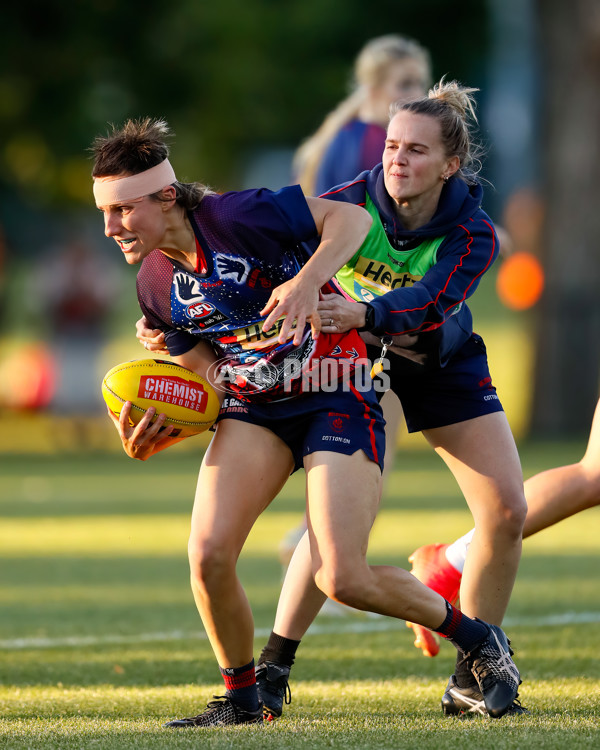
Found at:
[200, 310]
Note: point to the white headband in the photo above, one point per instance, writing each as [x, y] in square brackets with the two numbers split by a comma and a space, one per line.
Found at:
[109, 190]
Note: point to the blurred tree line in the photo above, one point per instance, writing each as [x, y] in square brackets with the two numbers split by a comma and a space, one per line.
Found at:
[228, 76]
[236, 76]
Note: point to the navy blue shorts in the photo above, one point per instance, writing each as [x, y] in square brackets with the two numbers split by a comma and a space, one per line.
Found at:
[344, 421]
[441, 396]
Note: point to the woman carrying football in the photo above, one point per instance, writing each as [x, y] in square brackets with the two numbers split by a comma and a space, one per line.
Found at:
[241, 256]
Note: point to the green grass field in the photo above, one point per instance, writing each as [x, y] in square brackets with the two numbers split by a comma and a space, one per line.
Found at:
[100, 642]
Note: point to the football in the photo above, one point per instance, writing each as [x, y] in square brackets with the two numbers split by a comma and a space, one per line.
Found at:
[189, 402]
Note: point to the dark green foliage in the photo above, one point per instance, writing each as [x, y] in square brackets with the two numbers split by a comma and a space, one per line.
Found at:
[229, 76]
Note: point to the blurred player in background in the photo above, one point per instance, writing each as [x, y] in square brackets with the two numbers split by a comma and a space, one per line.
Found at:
[351, 138]
[245, 256]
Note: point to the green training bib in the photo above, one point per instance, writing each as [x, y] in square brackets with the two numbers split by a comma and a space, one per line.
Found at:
[377, 267]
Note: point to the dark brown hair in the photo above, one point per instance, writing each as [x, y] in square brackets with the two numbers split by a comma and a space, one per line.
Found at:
[139, 145]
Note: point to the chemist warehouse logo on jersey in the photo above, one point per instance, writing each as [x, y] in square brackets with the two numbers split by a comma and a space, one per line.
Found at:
[174, 390]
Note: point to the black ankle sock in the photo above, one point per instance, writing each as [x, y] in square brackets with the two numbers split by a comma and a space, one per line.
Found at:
[240, 684]
[279, 649]
[461, 630]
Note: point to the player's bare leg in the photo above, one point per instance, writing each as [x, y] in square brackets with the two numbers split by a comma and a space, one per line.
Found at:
[482, 455]
[300, 600]
[343, 546]
[343, 494]
[226, 506]
[346, 487]
[556, 494]
[343, 497]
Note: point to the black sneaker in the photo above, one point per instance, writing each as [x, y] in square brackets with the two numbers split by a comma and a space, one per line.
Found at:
[219, 713]
[458, 701]
[273, 688]
[496, 673]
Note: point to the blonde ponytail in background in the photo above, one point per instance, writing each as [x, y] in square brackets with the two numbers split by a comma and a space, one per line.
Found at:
[370, 69]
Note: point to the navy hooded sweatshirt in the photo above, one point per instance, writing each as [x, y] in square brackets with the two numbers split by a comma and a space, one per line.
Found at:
[456, 248]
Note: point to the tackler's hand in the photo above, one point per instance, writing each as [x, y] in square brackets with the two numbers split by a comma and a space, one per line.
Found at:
[339, 315]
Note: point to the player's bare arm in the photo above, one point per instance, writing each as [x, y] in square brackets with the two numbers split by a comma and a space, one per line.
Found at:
[342, 228]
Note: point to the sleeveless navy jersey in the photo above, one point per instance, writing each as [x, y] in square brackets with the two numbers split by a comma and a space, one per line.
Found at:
[248, 243]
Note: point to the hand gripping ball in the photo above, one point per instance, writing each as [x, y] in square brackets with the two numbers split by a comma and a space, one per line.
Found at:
[188, 401]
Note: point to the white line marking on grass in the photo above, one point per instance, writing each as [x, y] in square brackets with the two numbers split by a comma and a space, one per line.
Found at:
[374, 624]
